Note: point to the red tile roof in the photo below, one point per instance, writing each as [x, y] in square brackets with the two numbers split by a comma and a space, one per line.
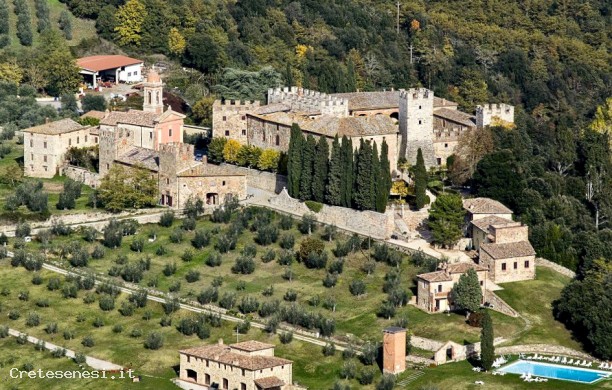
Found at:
[251, 346]
[99, 63]
[508, 250]
[269, 382]
[225, 354]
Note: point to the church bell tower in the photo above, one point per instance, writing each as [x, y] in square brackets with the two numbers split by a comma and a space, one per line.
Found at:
[153, 93]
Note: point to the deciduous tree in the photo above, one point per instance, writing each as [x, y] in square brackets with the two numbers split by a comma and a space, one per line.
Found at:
[130, 18]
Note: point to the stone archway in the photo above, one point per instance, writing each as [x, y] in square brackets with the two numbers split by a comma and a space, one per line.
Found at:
[212, 198]
[191, 374]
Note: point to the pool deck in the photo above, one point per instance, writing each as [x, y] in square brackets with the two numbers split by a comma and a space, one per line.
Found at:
[602, 374]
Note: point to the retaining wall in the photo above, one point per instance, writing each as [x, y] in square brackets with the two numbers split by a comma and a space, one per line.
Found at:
[267, 181]
[543, 349]
[91, 179]
[499, 304]
[559, 268]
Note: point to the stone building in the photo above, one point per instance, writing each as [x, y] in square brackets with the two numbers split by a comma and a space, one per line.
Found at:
[416, 125]
[478, 208]
[305, 101]
[434, 288]
[508, 262]
[45, 146]
[229, 118]
[494, 115]
[250, 365]
[394, 350]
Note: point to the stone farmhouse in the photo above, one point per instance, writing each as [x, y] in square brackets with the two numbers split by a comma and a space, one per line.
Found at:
[434, 288]
[420, 120]
[249, 365]
[115, 68]
[45, 146]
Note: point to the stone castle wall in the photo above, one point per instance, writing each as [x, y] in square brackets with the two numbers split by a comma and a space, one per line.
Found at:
[491, 113]
[368, 223]
[307, 101]
[91, 179]
[229, 118]
[416, 125]
[267, 181]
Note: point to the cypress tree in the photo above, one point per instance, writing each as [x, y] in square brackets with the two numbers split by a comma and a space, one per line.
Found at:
[294, 161]
[363, 179]
[4, 17]
[42, 13]
[384, 179]
[374, 177]
[487, 349]
[351, 79]
[308, 154]
[320, 170]
[24, 28]
[349, 174]
[335, 177]
[420, 181]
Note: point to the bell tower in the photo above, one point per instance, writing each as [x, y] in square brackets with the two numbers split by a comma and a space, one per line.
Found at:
[153, 93]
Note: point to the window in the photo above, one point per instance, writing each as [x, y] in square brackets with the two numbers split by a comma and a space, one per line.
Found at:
[107, 166]
[223, 183]
[31, 143]
[78, 139]
[129, 74]
[481, 282]
[526, 263]
[243, 372]
[224, 118]
[69, 141]
[135, 73]
[244, 117]
[150, 135]
[420, 107]
[207, 363]
[420, 121]
[45, 144]
[227, 133]
[45, 158]
[45, 168]
[243, 385]
[85, 138]
[263, 136]
[96, 139]
[515, 265]
[225, 383]
[169, 132]
[446, 145]
[188, 359]
[439, 288]
[503, 266]
[277, 141]
[32, 156]
[243, 131]
[167, 181]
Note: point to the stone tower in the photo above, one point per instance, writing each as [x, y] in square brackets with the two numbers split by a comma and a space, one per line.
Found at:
[494, 114]
[394, 350]
[416, 125]
[153, 93]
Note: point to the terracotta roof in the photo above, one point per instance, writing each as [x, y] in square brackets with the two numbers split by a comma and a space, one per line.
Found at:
[58, 127]
[381, 100]
[251, 346]
[454, 268]
[436, 276]
[144, 157]
[131, 117]
[485, 206]
[269, 382]
[484, 223]
[508, 250]
[456, 116]
[94, 114]
[272, 108]
[99, 63]
[224, 354]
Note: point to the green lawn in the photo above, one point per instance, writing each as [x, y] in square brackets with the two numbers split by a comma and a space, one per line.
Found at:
[533, 299]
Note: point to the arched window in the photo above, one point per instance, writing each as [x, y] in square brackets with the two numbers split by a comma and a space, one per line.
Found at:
[149, 98]
[157, 97]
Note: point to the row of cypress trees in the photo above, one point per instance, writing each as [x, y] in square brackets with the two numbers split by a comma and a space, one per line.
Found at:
[359, 179]
[24, 29]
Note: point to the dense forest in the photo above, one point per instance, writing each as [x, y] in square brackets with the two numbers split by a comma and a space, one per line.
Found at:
[549, 58]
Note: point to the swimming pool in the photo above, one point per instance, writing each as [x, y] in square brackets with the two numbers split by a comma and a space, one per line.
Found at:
[554, 371]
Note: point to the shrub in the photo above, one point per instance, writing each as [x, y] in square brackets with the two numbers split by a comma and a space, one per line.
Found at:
[228, 300]
[187, 255]
[89, 298]
[249, 250]
[33, 319]
[167, 218]
[308, 224]
[89, 233]
[154, 341]
[169, 269]
[336, 266]
[22, 230]
[330, 280]
[175, 286]
[316, 260]
[241, 286]
[330, 303]
[387, 382]
[287, 241]
[58, 352]
[165, 321]
[79, 358]
[386, 310]
[68, 334]
[366, 376]
[308, 246]
[161, 250]
[244, 265]
[40, 345]
[188, 224]
[288, 274]
[248, 305]
[368, 267]
[22, 338]
[4, 331]
[329, 349]
[213, 259]
[314, 301]
[192, 276]
[209, 295]
[290, 296]
[286, 258]
[285, 337]
[313, 206]
[98, 322]
[127, 309]
[98, 252]
[217, 281]
[201, 238]
[135, 333]
[139, 298]
[176, 236]
[272, 325]
[266, 235]
[117, 328]
[285, 222]
[369, 353]
[329, 232]
[243, 327]
[69, 290]
[14, 315]
[475, 319]
[268, 256]
[106, 302]
[171, 305]
[268, 308]
[226, 243]
[349, 352]
[24, 295]
[348, 370]
[137, 244]
[268, 291]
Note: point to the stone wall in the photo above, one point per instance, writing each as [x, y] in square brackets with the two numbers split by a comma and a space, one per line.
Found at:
[499, 304]
[91, 179]
[306, 101]
[368, 223]
[554, 266]
[229, 118]
[267, 181]
[426, 344]
[493, 113]
[510, 233]
[416, 124]
[510, 274]
[541, 348]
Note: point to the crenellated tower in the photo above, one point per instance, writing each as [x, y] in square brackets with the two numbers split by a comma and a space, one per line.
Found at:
[416, 125]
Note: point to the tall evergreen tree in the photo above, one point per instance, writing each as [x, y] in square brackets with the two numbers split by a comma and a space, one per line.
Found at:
[384, 179]
[320, 170]
[374, 177]
[294, 161]
[4, 17]
[336, 173]
[363, 179]
[351, 78]
[487, 349]
[420, 181]
[308, 155]
[349, 174]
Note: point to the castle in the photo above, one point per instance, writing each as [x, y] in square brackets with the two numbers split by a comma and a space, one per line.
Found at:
[406, 119]
[150, 139]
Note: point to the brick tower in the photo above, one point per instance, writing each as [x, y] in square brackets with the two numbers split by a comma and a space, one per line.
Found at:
[394, 350]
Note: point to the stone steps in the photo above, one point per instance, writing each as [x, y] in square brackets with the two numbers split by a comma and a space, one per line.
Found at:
[410, 379]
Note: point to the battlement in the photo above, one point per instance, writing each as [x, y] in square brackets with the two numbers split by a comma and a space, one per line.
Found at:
[235, 105]
[178, 149]
[498, 113]
[306, 100]
[416, 93]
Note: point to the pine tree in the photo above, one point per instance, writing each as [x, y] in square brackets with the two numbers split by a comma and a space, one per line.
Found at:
[487, 349]
[306, 178]
[420, 181]
[320, 170]
[384, 179]
[374, 177]
[335, 177]
[466, 294]
[349, 174]
[294, 161]
[363, 179]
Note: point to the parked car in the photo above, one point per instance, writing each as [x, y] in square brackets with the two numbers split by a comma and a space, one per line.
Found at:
[198, 156]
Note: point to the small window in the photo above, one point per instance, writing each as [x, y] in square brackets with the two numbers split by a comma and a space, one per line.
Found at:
[243, 373]
[263, 136]
[223, 183]
[45, 168]
[96, 139]
[167, 180]
[420, 107]
[277, 141]
[150, 135]
[129, 74]
[439, 288]
[32, 156]
[446, 145]
[420, 122]
[244, 117]
[31, 143]
[169, 132]
[481, 282]
[188, 357]
[515, 265]
[69, 142]
[503, 266]
[78, 139]
[227, 133]
[107, 166]
[85, 138]
[45, 158]
[135, 73]
[243, 131]
[45, 144]
[526, 263]
[224, 118]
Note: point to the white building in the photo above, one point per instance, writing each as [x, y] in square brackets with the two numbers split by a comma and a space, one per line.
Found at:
[115, 68]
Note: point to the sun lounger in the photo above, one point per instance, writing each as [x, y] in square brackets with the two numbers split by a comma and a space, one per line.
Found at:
[571, 361]
[479, 383]
[564, 360]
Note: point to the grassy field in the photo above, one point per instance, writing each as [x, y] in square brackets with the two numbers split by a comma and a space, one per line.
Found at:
[121, 348]
[81, 28]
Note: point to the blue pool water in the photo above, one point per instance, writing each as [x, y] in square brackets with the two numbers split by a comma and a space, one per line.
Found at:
[553, 371]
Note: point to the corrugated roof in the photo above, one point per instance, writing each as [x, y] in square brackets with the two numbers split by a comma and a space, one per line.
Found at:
[456, 116]
[225, 354]
[105, 62]
[508, 250]
[58, 127]
[485, 206]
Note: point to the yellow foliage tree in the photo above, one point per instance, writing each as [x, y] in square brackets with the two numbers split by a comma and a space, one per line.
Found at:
[230, 151]
[603, 119]
[268, 160]
[130, 18]
[11, 72]
[415, 25]
[176, 41]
